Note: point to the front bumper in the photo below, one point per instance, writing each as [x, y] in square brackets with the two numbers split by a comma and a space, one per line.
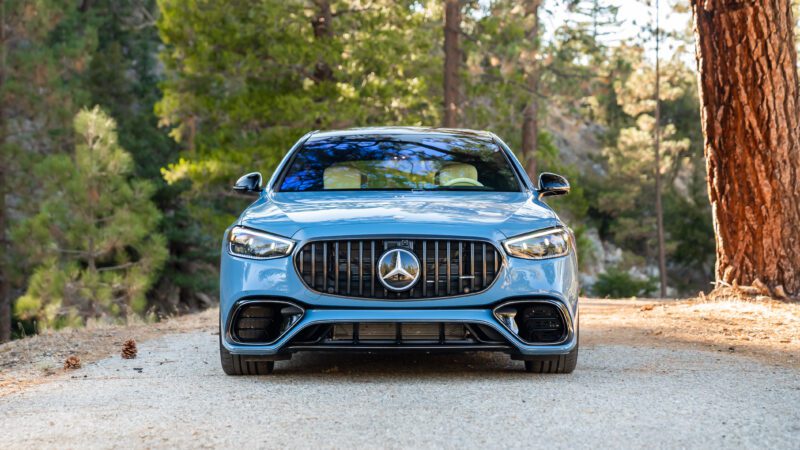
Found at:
[511, 343]
[553, 280]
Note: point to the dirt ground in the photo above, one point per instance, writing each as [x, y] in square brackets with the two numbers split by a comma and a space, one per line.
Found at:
[674, 374]
[38, 359]
[765, 329]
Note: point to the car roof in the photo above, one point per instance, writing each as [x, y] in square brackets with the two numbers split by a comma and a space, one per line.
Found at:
[369, 132]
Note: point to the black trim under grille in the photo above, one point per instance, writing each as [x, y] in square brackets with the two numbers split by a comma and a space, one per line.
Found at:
[449, 267]
[397, 334]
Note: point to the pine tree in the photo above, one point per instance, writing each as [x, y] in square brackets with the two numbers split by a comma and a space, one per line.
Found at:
[94, 236]
[245, 79]
[44, 48]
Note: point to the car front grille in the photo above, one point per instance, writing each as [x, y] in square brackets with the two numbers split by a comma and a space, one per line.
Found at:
[447, 267]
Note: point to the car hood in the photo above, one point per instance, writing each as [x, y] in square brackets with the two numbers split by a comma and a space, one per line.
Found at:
[478, 214]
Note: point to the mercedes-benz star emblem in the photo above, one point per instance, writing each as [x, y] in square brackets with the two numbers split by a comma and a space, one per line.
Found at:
[398, 269]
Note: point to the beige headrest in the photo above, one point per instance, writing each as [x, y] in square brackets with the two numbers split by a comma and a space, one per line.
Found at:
[341, 177]
[453, 171]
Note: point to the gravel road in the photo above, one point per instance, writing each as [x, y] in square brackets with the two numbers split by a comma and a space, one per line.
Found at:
[639, 396]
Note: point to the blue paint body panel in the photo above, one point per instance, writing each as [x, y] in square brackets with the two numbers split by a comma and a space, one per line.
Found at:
[308, 216]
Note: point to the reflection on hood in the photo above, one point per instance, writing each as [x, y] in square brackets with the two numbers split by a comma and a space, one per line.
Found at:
[480, 213]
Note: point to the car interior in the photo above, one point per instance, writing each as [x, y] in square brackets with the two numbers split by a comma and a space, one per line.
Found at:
[339, 177]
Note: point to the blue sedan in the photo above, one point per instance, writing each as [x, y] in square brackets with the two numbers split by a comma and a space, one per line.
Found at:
[387, 239]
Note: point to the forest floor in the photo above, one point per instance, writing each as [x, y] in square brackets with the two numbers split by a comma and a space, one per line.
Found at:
[689, 373]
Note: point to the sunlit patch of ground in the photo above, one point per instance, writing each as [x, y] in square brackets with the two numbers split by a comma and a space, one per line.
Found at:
[759, 327]
[36, 359]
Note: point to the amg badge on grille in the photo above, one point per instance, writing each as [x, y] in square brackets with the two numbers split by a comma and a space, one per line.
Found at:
[398, 269]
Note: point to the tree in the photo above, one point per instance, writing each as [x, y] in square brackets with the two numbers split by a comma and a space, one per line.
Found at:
[530, 115]
[5, 291]
[245, 79]
[452, 62]
[95, 236]
[123, 80]
[748, 79]
[626, 195]
[662, 252]
[43, 56]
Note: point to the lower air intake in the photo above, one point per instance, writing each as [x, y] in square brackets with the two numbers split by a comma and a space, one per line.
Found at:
[534, 322]
[263, 321]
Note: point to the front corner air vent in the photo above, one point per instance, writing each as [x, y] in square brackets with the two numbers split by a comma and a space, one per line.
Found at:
[263, 321]
[535, 322]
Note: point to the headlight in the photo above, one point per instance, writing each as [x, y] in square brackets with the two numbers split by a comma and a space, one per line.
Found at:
[257, 245]
[543, 244]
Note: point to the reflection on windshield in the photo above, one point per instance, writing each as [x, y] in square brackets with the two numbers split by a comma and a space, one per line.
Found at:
[394, 163]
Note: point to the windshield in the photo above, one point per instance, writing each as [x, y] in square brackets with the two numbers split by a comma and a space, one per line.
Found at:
[400, 163]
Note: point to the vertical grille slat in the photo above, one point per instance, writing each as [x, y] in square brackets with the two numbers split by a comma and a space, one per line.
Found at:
[436, 265]
[360, 268]
[325, 266]
[483, 275]
[424, 268]
[460, 271]
[336, 267]
[447, 267]
[314, 266]
[349, 262]
[472, 266]
[372, 268]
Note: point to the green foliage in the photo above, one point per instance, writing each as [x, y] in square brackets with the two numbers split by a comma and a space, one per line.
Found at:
[246, 80]
[124, 78]
[621, 203]
[45, 52]
[94, 237]
[616, 283]
[239, 81]
[45, 62]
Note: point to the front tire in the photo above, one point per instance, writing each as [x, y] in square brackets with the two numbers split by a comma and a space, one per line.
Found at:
[553, 364]
[236, 365]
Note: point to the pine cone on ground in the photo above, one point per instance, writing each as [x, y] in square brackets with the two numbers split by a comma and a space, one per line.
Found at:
[72, 362]
[129, 349]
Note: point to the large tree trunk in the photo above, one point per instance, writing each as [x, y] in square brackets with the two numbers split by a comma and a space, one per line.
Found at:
[530, 115]
[749, 93]
[452, 61]
[5, 290]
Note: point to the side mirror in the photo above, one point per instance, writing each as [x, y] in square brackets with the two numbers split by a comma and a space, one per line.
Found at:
[249, 184]
[551, 184]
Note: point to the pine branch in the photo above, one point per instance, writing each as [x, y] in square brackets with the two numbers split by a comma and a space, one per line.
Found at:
[118, 267]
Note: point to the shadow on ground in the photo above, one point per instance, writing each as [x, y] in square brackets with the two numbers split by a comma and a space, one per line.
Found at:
[391, 364]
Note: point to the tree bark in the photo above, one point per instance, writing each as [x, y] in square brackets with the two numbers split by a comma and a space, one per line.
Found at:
[749, 95]
[323, 31]
[662, 251]
[530, 115]
[452, 62]
[5, 290]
